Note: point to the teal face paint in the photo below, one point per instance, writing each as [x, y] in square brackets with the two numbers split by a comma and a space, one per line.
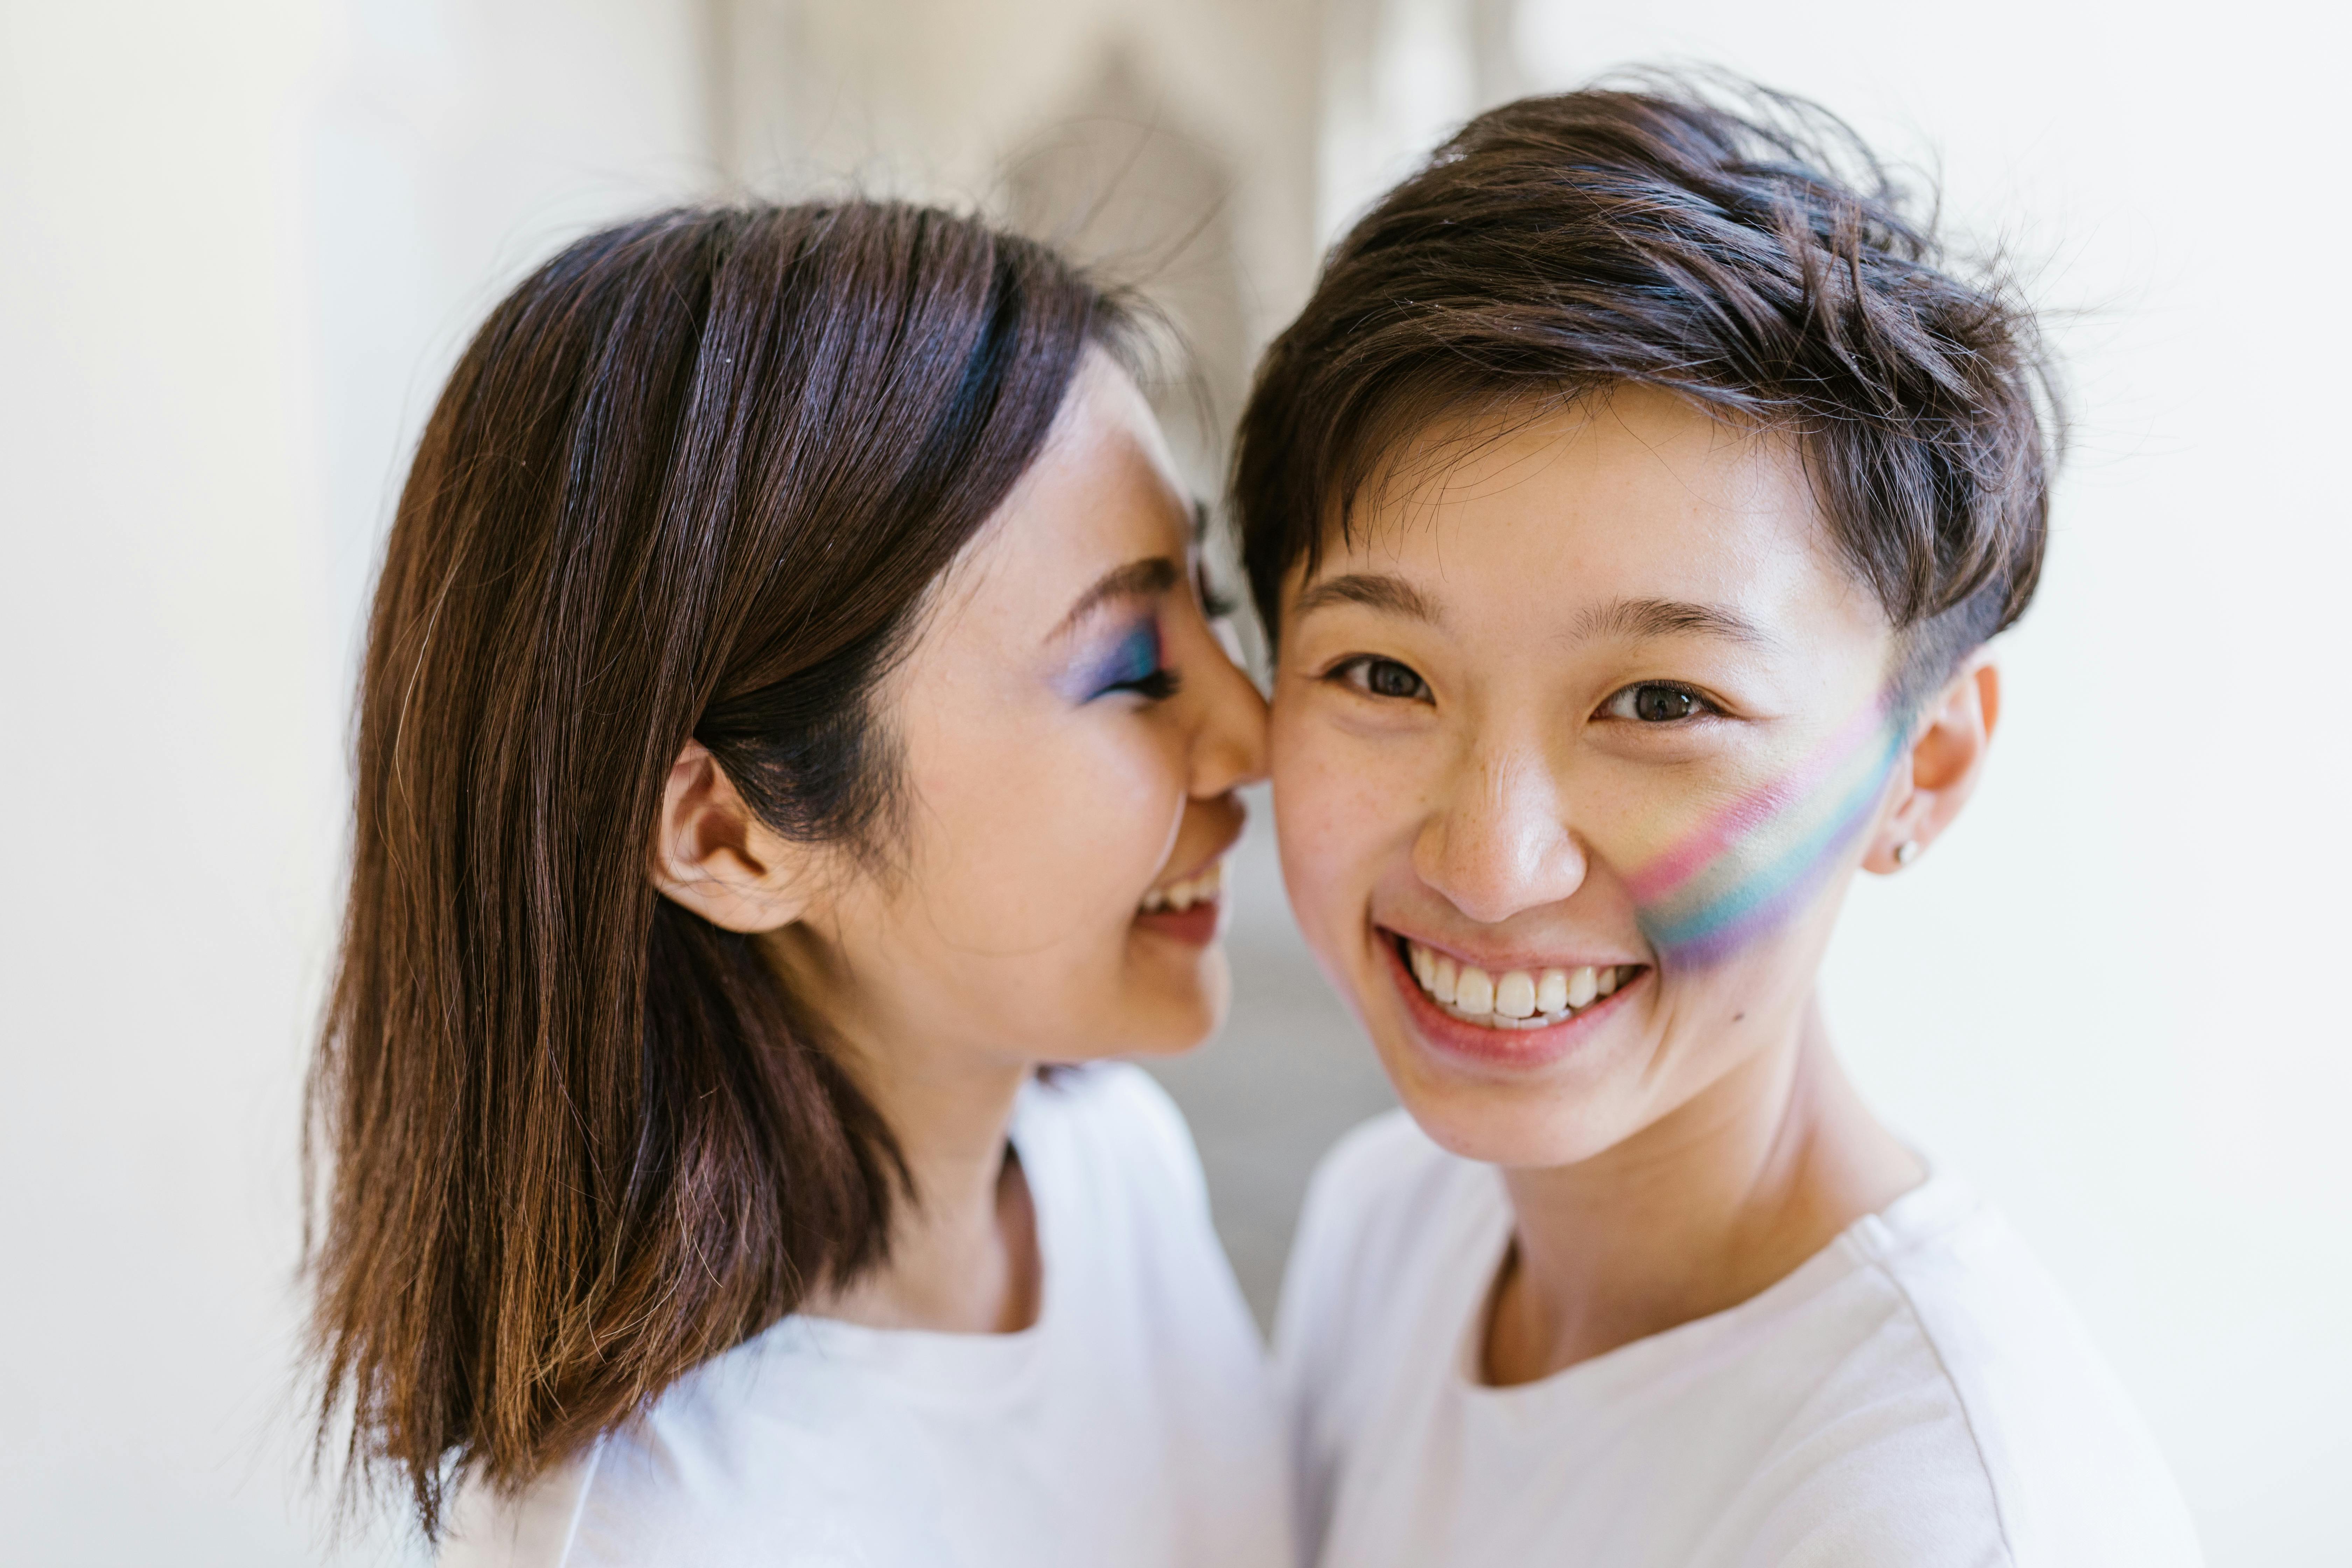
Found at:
[1759, 858]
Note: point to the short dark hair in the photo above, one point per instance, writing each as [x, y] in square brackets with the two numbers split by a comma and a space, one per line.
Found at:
[1755, 258]
[693, 479]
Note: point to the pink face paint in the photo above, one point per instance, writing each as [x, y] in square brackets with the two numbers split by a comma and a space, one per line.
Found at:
[1756, 860]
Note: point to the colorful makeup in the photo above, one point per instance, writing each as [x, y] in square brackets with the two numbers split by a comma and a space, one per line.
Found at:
[1759, 860]
[1128, 662]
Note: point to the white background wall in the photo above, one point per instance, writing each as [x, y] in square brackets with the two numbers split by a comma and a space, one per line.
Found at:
[240, 241]
[238, 244]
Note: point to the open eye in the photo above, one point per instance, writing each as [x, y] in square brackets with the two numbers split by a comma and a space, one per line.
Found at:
[1377, 676]
[1657, 702]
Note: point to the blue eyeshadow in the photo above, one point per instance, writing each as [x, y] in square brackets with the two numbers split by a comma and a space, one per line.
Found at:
[1132, 657]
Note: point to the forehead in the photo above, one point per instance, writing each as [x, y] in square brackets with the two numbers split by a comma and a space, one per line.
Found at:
[1102, 491]
[1631, 495]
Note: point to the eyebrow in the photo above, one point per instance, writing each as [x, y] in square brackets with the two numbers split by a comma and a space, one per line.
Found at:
[1136, 580]
[1637, 619]
[1373, 591]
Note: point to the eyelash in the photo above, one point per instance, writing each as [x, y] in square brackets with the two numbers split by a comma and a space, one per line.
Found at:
[1156, 685]
[1216, 606]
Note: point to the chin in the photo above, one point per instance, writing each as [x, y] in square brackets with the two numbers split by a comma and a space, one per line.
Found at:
[1525, 1101]
[1175, 993]
[1515, 1127]
[1148, 1010]
[1173, 1019]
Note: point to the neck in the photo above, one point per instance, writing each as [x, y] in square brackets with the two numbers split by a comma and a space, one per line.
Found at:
[1696, 1213]
[963, 1254]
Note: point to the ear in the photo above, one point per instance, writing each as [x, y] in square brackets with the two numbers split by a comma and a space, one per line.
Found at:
[1948, 756]
[713, 855]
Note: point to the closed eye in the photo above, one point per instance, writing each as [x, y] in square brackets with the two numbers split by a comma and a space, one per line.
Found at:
[1381, 677]
[1158, 687]
[1134, 665]
[1658, 702]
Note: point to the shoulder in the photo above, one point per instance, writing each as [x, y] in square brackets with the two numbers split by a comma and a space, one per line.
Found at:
[2074, 1470]
[635, 1499]
[1384, 1186]
[531, 1528]
[1385, 1212]
[721, 1471]
[1396, 1236]
[1114, 1119]
[645, 1496]
[1979, 1398]
[1112, 1101]
[1123, 1213]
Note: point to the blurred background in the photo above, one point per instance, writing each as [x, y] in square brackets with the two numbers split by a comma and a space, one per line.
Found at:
[240, 243]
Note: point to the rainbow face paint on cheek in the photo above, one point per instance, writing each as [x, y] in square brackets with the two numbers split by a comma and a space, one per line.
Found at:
[1758, 860]
[1130, 659]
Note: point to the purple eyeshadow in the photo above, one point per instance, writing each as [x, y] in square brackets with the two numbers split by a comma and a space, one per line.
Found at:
[1130, 657]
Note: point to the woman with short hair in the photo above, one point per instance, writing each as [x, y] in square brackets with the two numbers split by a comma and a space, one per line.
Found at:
[1633, 503]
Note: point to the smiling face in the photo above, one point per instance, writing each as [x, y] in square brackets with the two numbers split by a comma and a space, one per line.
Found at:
[1069, 730]
[1576, 744]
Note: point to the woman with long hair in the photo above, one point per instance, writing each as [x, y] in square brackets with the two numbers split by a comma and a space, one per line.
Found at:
[791, 724]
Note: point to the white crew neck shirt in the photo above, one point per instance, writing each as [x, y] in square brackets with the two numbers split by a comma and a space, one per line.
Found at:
[1917, 1395]
[1133, 1425]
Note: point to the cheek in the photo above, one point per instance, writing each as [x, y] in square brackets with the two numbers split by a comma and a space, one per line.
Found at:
[1715, 876]
[1340, 807]
[1028, 843]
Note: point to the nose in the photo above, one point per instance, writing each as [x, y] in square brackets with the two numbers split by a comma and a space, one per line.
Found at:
[1498, 842]
[1229, 743]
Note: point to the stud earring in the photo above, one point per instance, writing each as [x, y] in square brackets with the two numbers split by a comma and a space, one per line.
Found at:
[1906, 852]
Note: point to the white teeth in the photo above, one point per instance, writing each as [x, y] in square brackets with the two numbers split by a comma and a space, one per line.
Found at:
[1516, 999]
[1200, 890]
[1551, 992]
[1515, 995]
[1474, 992]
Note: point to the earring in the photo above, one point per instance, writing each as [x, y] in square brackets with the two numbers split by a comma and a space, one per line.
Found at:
[1906, 852]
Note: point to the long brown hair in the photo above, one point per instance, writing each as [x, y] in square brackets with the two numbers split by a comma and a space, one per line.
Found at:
[693, 477]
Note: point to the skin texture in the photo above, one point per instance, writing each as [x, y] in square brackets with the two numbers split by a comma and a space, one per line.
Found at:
[1047, 794]
[1544, 582]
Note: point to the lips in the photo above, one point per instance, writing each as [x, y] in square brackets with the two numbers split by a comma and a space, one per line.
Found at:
[1487, 1039]
[1189, 908]
[1203, 887]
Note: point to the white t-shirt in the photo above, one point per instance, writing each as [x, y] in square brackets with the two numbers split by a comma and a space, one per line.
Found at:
[1134, 1424]
[1916, 1394]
